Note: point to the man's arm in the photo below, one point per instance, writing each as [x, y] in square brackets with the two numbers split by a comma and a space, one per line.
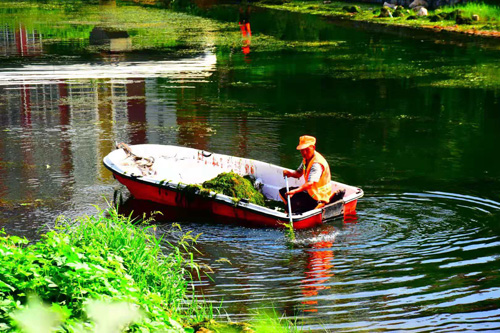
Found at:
[303, 187]
[294, 174]
[314, 176]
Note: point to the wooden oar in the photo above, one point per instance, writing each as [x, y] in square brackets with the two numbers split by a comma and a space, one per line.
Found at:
[291, 233]
[288, 200]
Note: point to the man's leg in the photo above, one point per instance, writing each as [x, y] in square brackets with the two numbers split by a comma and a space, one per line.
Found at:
[301, 202]
[283, 191]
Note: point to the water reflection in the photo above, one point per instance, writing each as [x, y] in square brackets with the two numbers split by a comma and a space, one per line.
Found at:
[192, 121]
[60, 120]
[20, 41]
[197, 67]
[319, 269]
[246, 32]
[114, 40]
[136, 110]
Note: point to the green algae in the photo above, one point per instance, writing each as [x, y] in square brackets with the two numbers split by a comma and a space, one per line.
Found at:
[474, 76]
[148, 28]
[261, 43]
[235, 186]
[370, 13]
[154, 29]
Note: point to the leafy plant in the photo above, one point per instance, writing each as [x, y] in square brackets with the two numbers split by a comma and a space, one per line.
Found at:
[103, 258]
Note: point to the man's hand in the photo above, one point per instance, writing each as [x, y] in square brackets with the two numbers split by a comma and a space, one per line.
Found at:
[293, 174]
[304, 187]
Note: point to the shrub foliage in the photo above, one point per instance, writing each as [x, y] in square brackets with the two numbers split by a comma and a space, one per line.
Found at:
[106, 258]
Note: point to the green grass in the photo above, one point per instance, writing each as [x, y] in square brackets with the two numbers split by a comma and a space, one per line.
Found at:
[102, 258]
[105, 273]
[489, 15]
[486, 12]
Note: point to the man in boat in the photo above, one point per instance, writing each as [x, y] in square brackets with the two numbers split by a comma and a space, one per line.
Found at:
[316, 192]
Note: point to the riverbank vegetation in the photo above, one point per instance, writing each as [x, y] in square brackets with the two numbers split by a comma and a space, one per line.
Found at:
[471, 18]
[104, 273]
[106, 259]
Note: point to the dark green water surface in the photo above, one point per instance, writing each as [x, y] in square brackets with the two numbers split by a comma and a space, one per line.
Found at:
[413, 119]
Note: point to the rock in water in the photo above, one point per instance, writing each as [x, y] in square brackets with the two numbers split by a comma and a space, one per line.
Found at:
[389, 5]
[422, 12]
[418, 3]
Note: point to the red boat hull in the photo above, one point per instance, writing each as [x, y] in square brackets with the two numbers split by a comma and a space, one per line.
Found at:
[221, 211]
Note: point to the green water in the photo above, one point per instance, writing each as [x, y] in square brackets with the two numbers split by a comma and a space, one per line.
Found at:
[412, 118]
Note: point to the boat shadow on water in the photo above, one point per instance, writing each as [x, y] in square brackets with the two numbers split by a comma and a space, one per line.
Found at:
[144, 209]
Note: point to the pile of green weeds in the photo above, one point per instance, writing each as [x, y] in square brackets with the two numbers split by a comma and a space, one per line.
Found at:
[236, 186]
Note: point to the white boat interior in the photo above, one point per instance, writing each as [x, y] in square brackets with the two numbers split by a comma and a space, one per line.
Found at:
[174, 164]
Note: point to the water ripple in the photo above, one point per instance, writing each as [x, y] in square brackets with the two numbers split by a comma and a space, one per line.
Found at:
[406, 256]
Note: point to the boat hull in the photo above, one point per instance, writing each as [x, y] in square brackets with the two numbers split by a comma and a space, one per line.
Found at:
[200, 206]
[174, 167]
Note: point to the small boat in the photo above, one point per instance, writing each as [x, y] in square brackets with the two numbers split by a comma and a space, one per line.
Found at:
[162, 173]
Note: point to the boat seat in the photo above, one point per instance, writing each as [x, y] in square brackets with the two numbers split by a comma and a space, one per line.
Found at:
[336, 196]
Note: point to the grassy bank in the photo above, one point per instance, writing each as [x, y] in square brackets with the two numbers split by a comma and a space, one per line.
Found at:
[104, 259]
[478, 18]
[105, 274]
